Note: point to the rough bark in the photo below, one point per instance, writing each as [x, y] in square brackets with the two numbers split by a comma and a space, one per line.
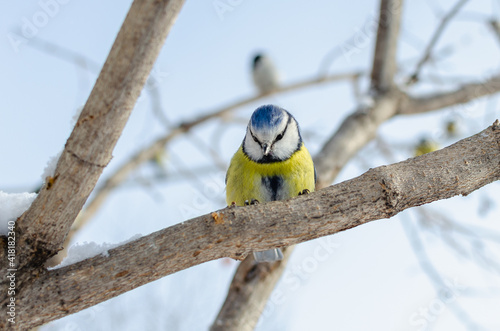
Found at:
[248, 293]
[235, 232]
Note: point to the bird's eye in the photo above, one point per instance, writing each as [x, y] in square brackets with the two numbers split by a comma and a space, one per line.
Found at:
[279, 137]
[255, 138]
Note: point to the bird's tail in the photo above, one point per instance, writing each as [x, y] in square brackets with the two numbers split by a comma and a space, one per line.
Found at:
[269, 255]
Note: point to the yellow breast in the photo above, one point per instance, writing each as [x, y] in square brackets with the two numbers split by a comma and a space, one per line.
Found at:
[247, 180]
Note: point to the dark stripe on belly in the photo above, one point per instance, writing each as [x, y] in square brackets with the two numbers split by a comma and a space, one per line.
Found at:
[273, 185]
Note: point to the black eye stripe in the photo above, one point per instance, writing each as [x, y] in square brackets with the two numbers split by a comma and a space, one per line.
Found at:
[255, 138]
[282, 134]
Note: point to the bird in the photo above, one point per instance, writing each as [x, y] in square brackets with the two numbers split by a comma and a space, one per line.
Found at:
[264, 73]
[452, 128]
[425, 146]
[271, 164]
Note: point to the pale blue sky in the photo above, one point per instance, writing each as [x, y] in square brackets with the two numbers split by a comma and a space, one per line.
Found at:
[371, 280]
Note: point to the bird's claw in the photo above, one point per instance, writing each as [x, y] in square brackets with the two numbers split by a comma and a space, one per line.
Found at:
[251, 202]
[306, 191]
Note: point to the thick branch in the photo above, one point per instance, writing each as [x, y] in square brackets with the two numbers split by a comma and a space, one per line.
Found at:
[44, 226]
[384, 59]
[248, 293]
[235, 232]
[355, 132]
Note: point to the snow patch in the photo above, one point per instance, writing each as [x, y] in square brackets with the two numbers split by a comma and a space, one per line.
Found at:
[50, 168]
[75, 117]
[12, 205]
[81, 251]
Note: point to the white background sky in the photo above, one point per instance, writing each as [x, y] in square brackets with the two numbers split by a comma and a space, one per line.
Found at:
[371, 278]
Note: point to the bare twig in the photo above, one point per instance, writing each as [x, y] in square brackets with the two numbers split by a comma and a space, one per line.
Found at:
[434, 275]
[495, 26]
[380, 193]
[466, 93]
[435, 37]
[65, 54]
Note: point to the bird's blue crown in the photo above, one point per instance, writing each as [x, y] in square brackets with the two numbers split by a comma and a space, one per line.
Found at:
[267, 116]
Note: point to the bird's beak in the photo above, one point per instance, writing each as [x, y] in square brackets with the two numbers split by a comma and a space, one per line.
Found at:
[266, 148]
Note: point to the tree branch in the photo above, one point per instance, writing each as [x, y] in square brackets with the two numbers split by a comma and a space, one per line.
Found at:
[41, 230]
[495, 26]
[384, 59]
[361, 126]
[247, 296]
[356, 131]
[464, 94]
[435, 37]
[235, 232]
[44, 226]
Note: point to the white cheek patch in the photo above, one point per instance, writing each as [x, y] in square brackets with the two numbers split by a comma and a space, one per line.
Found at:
[252, 148]
[285, 147]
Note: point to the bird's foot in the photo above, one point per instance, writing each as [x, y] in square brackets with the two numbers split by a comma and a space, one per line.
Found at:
[251, 202]
[306, 191]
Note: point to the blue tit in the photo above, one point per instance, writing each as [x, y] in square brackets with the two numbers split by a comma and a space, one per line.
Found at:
[264, 74]
[271, 164]
[426, 146]
[452, 128]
